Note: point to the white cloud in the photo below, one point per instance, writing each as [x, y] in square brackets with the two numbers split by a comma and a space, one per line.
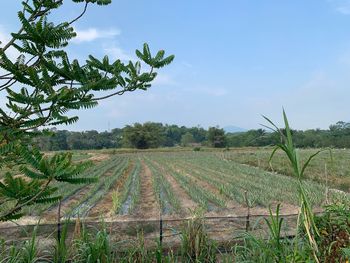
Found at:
[92, 34]
[341, 6]
[163, 79]
[211, 91]
[116, 52]
[344, 58]
[218, 92]
[187, 64]
[344, 10]
[11, 53]
[4, 38]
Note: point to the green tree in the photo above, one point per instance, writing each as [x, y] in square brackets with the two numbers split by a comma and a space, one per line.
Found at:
[144, 136]
[199, 134]
[173, 135]
[217, 137]
[42, 85]
[187, 138]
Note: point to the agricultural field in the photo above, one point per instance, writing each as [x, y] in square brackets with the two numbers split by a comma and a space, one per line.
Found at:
[143, 185]
[330, 167]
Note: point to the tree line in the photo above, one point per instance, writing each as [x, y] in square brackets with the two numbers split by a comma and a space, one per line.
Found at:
[140, 136]
[337, 136]
[154, 135]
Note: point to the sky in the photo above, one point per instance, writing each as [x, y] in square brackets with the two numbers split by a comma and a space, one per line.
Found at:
[235, 60]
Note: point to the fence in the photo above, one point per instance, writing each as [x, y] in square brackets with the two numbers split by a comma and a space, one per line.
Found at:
[223, 229]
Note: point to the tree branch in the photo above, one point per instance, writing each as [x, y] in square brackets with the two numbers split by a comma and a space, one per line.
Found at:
[35, 15]
[19, 207]
[121, 92]
[79, 16]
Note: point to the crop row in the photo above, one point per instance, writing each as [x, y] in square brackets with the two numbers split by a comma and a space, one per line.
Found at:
[337, 166]
[99, 190]
[233, 179]
[200, 195]
[263, 186]
[68, 190]
[169, 203]
[207, 178]
[130, 193]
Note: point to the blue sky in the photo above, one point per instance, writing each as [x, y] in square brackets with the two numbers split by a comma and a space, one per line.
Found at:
[235, 60]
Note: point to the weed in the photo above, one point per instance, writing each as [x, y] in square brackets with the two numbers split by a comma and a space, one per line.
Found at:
[116, 202]
[195, 243]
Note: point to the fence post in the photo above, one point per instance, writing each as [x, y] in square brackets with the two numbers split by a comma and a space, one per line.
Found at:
[160, 223]
[59, 228]
[326, 173]
[247, 222]
[59, 222]
[161, 231]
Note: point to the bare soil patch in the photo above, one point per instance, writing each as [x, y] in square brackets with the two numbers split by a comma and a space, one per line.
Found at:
[98, 157]
[148, 207]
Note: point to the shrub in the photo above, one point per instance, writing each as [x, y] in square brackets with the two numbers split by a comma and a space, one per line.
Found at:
[196, 149]
[334, 228]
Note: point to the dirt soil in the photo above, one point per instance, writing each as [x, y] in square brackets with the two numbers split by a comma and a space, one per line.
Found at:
[148, 206]
[66, 204]
[229, 203]
[71, 201]
[104, 206]
[187, 204]
[98, 157]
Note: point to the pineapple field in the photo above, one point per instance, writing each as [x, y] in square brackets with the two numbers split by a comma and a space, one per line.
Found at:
[173, 184]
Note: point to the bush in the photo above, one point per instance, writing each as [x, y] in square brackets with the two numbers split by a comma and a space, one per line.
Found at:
[334, 229]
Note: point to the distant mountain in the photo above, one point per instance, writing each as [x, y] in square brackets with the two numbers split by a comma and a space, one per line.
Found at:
[233, 129]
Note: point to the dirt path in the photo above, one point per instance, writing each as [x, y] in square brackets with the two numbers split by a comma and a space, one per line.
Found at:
[96, 157]
[148, 206]
[104, 206]
[187, 204]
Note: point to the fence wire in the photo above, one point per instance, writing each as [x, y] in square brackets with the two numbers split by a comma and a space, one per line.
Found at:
[168, 230]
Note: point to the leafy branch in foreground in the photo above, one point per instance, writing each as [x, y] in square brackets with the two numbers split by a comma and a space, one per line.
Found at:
[34, 186]
[42, 85]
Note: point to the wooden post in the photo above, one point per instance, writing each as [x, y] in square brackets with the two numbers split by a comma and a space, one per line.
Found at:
[160, 232]
[59, 229]
[326, 174]
[247, 222]
[160, 223]
[59, 222]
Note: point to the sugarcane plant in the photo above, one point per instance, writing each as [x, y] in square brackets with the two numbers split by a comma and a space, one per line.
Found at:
[306, 216]
[41, 85]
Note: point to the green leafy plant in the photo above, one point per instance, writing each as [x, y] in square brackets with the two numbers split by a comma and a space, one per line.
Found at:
[41, 86]
[33, 188]
[61, 251]
[196, 246]
[115, 201]
[83, 207]
[306, 213]
[275, 226]
[334, 228]
[93, 247]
